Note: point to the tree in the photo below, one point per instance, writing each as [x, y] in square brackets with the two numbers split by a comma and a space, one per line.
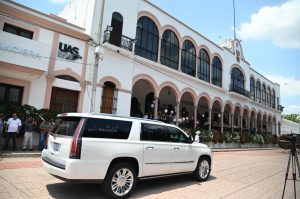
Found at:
[292, 117]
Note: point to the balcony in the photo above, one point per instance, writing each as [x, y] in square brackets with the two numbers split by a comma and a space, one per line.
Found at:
[241, 91]
[280, 108]
[123, 42]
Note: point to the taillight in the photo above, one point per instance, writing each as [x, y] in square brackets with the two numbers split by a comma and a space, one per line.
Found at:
[75, 151]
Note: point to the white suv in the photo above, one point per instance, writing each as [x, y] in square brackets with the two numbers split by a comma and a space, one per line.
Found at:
[119, 150]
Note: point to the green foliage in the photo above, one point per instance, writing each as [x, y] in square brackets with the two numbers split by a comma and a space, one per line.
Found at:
[257, 139]
[292, 117]
[228, 137]
[244, 137]
[218, 137]
[206, 135]
[283, 142]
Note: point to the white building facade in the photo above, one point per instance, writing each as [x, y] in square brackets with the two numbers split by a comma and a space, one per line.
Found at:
[43, 59]
[156, 66]
[151, 65]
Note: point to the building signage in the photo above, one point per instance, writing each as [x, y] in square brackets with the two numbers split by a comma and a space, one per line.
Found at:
[20, 50]
[66, 51]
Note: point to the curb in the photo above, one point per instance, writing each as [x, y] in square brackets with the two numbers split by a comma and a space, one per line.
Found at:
[244, 149]
[4, 154]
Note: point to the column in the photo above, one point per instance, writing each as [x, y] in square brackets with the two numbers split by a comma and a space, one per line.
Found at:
[261, 125]
[195, 116]
[232, 117]
[241, 123]
[159, 50]
[222, 121]
[249, 126]
[209, 117]
[155, 107]
[179, 60]
[177, 112]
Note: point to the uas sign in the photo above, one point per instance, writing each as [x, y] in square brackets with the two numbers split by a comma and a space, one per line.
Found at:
[66, 51]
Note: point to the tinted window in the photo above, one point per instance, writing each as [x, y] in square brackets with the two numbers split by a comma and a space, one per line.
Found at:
[66, 125]
[105, 128]
[175, 135]
[153, 132]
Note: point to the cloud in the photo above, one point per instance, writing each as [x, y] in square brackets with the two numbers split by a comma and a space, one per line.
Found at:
[280, 24]
[295, 109]
[289, 86]
[59, 1]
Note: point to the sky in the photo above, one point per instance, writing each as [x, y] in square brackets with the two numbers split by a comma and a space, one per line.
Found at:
[269, 31]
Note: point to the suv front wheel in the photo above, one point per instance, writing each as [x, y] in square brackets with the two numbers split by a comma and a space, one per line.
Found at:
[202, 170]
[120, 181]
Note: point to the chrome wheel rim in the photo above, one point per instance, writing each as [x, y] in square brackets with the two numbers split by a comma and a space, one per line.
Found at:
[122, 182]
[204, 169]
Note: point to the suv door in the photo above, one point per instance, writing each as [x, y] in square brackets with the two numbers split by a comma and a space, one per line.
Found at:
[182, 155]
[157, 152]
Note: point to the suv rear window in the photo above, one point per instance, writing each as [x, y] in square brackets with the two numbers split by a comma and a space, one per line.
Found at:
[106, 128]
[66, 125]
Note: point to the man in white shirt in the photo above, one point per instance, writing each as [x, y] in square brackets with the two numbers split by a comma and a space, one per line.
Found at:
[13, 127]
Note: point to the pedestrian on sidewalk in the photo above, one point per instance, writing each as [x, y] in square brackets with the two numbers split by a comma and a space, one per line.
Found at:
[45, 126]
[1, 128]
[13, 127]
[29, 125]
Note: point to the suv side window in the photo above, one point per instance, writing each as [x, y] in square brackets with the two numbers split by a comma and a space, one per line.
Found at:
[152, 132]
[175, 135]
[106, 128]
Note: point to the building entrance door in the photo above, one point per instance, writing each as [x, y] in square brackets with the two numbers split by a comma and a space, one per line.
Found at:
[64, 100]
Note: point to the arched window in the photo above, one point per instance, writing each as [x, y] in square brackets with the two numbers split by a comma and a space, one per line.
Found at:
[188, 58]
[217, 72]
[258, 92]
[117, 27]
[109, 98]
[269, 96]
[169, 54]
[237, 79]
[264, 94]
[273, 99]
[252, 88]
[147, 39]
[204, 66]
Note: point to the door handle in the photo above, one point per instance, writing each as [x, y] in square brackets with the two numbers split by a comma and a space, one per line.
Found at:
[150, 148]
[176, 148]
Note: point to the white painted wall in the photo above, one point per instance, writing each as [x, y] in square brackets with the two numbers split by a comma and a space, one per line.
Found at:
[288, 127]
[38, 92]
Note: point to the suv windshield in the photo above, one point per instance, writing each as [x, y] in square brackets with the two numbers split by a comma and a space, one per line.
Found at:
[66, 125]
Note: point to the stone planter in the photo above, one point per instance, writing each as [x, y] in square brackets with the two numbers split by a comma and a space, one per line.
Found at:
[225, 145]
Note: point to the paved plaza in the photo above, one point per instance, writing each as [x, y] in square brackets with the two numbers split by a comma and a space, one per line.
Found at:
[241, 174]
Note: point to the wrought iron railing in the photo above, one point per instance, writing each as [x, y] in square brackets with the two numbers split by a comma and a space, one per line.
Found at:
[126, 42]
[280, 108]
[239, 90]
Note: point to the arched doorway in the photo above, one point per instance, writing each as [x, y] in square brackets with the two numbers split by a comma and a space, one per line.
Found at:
[109, 98]
[259, 122]
[216, 115]
[252, 122]
[203, 113]
[186, 110]
[167, 106]
[265, 123]
[117, 27]
[142, 101]
[237, 119]
[245, 121]
[227, 118]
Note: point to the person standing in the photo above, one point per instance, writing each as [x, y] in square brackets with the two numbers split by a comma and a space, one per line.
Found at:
[13, 127]
[45, 126]
[1, 127]
[29, 125]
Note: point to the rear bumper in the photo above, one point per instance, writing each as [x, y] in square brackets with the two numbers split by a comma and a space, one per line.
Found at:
[74, 169]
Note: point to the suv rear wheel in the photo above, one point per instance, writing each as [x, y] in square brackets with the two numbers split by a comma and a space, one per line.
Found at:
[120, 181]
[202, 170]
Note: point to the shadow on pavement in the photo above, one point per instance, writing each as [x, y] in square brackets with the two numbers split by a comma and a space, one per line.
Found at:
[143, 188]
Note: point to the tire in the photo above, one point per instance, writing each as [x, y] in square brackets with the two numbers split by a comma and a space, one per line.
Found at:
[202, 170]
[120, 181]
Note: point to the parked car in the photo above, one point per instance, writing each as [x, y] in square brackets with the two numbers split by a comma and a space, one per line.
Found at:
[118, 151]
